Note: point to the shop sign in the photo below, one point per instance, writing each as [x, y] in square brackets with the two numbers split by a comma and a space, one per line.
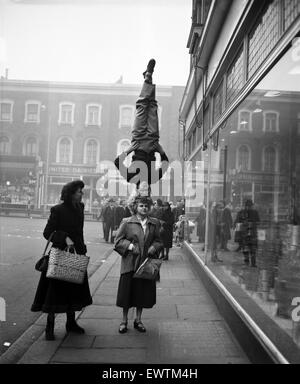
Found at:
[71, 170]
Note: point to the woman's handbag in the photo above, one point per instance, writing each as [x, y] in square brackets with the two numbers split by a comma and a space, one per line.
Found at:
[42, 264]
[149, 269]
[67, 266]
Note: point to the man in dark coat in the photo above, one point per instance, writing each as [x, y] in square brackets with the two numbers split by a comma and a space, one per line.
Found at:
[226, 225]
[200, 220]
[109, 220]
[248, 219]
[145, 137]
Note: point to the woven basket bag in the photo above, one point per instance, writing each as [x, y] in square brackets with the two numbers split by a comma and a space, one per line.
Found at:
[67, 266]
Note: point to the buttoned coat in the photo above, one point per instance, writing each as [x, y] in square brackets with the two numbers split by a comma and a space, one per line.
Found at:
[131, 231]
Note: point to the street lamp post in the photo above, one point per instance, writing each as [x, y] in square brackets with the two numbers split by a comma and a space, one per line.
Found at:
[47, 162]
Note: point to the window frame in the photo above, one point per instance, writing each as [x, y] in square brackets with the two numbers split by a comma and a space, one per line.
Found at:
[61, 104]
[124, 106]
[8, 145]
[32, 102]
[57, 150]
[239, 120]
[85, 151]
[99, 122]
[276, 164]
[7, 101]
[265, 113]
[25, 145]
[238, 156]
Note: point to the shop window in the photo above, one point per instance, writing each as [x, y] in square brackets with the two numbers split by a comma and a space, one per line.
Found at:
[291, 12]
[263, 37]
[243, 158]
[4, 145]
[66, 113]
[245, 121]
[218, 102]
[269, 159]
[6, 110]
[91, 152]
[30, 147]
[93, 114]
[126, 116]
[235, 77]
[32, 112]
[64, 150]
[271, 121]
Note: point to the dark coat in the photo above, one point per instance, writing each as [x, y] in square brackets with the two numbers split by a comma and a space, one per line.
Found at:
[119, 215]
[227, 223]
[109, 215]
[60, 296]
[131, 231]
[201, 221]
[167, 228]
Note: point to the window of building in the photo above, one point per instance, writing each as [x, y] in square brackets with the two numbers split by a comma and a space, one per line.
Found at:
[6, 110]
[4, 145]
[30, 146]
[91, 154]
[263, 37]
[243, 158]
[64, 150]
[194, 139]
[291, 11]
[271, 121]
[218, 103]
[126, 116]
[66, 113]
[235, 77]
[245, 121]
[93, 114]
[32, 112]
[269, 159]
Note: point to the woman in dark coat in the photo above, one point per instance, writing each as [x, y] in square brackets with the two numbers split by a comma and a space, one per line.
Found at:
[167, 230]
[138, 238]
[56, 296]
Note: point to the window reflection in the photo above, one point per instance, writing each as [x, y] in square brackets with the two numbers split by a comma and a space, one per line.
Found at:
[257, 160]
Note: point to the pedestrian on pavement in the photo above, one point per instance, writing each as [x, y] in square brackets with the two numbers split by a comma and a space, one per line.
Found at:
[145, 138]
[226, 226]
[247, 220]
[200, 220]
[167, 235]
[137, 238]
[109, 220]
[56, 296]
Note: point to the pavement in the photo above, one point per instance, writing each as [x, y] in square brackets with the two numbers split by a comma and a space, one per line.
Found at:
[184, 327]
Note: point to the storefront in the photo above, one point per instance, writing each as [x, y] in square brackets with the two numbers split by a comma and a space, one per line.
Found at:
[19, 181]
[250, 233]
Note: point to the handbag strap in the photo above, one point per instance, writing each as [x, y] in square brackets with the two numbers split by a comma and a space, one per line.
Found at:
[48, 242]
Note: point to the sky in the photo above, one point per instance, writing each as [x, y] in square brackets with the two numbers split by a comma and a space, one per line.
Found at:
[95, 41]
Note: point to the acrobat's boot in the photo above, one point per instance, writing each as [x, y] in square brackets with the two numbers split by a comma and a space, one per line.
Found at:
[148, 73]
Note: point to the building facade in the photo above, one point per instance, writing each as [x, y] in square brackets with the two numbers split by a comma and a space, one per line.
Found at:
[52, 133]
[240, 115]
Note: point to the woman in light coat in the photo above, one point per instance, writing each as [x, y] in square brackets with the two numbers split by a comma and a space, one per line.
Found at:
[138, 238]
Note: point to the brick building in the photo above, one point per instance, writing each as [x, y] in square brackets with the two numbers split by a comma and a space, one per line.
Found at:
[52, 133]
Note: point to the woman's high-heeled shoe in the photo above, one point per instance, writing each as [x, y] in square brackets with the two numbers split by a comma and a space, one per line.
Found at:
[123, 327]
[139, 326]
